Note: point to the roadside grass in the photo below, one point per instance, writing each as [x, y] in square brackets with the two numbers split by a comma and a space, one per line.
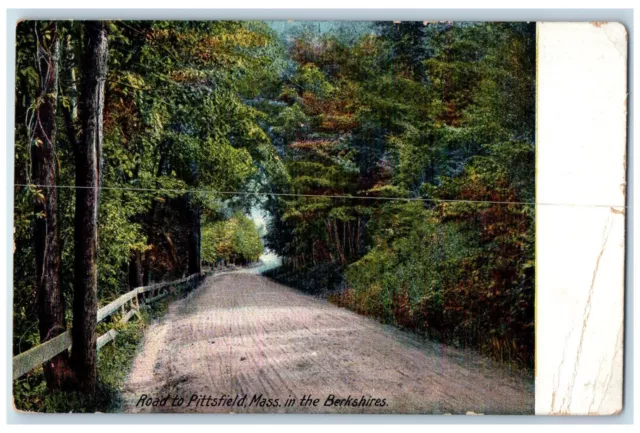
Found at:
[114, 362]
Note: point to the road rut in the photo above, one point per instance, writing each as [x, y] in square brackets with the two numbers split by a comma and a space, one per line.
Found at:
[242, 333]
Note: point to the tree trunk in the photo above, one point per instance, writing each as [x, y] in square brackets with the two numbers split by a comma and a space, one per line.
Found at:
[151, 218]
[49, 296]
[338, 247]
[135, 269]
[194, 216]
[88, 178]
[70, 90]
[146, 264]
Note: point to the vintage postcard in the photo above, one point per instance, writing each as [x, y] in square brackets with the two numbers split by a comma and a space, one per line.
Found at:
[340, 217]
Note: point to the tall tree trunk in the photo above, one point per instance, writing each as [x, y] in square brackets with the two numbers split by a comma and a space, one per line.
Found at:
[69, 86]
[135, 269]
[49, 296]
[146, 263]
[338, 247]
[194, 216]
[88, 178]
[151, 218]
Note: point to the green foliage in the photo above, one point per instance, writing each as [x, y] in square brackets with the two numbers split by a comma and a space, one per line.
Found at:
[434, 124]
[235, 240]
[290, 122]
[177, 116]
[114, 360]
[401, 157]
[310, 79]
[117, 237]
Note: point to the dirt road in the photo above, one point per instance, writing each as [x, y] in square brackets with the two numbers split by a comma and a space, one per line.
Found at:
[241, 333]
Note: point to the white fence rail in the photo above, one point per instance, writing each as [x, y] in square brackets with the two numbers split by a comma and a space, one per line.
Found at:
[27, 361]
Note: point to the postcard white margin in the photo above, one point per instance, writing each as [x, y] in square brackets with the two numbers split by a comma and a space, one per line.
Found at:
[581, 117]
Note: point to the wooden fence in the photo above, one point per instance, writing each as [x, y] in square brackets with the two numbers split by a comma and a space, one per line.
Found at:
[128, 305]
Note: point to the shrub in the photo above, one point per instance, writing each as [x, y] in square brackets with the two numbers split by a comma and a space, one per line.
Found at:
[235, 240]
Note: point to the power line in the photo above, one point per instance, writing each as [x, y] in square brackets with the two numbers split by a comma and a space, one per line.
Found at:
[336, 196]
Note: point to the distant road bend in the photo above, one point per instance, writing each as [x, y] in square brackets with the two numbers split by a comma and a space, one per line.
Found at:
[242, 333]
